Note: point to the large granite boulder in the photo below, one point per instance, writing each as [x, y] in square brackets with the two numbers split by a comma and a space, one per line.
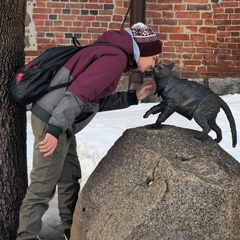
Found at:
[161, 184]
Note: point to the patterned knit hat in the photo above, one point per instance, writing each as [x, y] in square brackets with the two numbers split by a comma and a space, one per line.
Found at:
[146, 40]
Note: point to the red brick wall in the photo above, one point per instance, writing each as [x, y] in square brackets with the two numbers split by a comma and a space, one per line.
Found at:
[200, 36]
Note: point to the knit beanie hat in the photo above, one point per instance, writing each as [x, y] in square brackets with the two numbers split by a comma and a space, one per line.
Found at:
[146, 40]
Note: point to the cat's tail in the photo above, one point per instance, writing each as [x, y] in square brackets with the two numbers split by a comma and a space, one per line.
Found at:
[231, 120]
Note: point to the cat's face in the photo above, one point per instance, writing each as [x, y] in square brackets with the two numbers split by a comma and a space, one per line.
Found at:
[162, 74]
[162, 71]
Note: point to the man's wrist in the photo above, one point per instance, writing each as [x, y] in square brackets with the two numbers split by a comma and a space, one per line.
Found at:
[132, 97]
[53, 130]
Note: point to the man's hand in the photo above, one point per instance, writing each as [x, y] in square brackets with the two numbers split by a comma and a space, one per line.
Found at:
[48, 145]
[145, 89]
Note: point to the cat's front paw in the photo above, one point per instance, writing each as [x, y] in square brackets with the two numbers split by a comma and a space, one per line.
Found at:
[146, 115]
[158, 122]
[201, 137]
[155, 125]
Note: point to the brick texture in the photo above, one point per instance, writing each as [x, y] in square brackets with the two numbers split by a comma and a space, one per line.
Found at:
[200, 36]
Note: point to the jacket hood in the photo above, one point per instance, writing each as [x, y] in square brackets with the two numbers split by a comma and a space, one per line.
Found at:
[122, 39]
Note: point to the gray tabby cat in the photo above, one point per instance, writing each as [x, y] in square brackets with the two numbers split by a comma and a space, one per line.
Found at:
[191, 100]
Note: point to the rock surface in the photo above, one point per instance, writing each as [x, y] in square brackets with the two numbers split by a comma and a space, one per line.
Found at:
[161, 184]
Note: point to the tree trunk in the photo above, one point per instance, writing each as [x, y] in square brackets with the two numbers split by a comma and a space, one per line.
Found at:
[13, 165]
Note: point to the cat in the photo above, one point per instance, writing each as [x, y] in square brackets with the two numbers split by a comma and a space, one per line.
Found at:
[191, 100]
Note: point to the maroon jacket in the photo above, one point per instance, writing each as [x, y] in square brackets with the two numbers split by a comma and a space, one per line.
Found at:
[99, 68]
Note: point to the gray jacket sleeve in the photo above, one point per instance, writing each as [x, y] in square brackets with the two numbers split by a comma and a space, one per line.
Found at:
[64, 114]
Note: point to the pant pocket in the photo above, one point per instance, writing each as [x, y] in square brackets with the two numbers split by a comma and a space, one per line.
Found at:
[39, 127]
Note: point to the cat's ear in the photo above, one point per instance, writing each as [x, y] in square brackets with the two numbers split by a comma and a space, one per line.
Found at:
[171, 65]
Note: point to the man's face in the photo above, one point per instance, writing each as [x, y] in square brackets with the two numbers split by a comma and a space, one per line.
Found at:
[147, 63]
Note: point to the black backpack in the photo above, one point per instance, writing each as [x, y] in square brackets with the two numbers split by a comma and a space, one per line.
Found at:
[32, 82]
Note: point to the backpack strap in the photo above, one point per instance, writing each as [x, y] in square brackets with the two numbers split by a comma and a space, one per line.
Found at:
[75, 42]
[110, 45]
[66, 84]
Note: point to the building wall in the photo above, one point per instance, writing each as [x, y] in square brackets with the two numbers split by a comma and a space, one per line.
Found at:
[201, 36]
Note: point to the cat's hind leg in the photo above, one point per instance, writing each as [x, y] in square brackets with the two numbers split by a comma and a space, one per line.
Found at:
[203, 123]
[205, 112]
[213, 125]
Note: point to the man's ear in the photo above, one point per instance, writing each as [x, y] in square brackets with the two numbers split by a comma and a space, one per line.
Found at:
[170, 66]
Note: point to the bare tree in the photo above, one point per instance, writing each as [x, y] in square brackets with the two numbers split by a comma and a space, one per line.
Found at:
[13, 164]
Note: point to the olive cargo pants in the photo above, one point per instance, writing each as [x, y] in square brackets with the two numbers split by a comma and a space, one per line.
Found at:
[62, 168]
